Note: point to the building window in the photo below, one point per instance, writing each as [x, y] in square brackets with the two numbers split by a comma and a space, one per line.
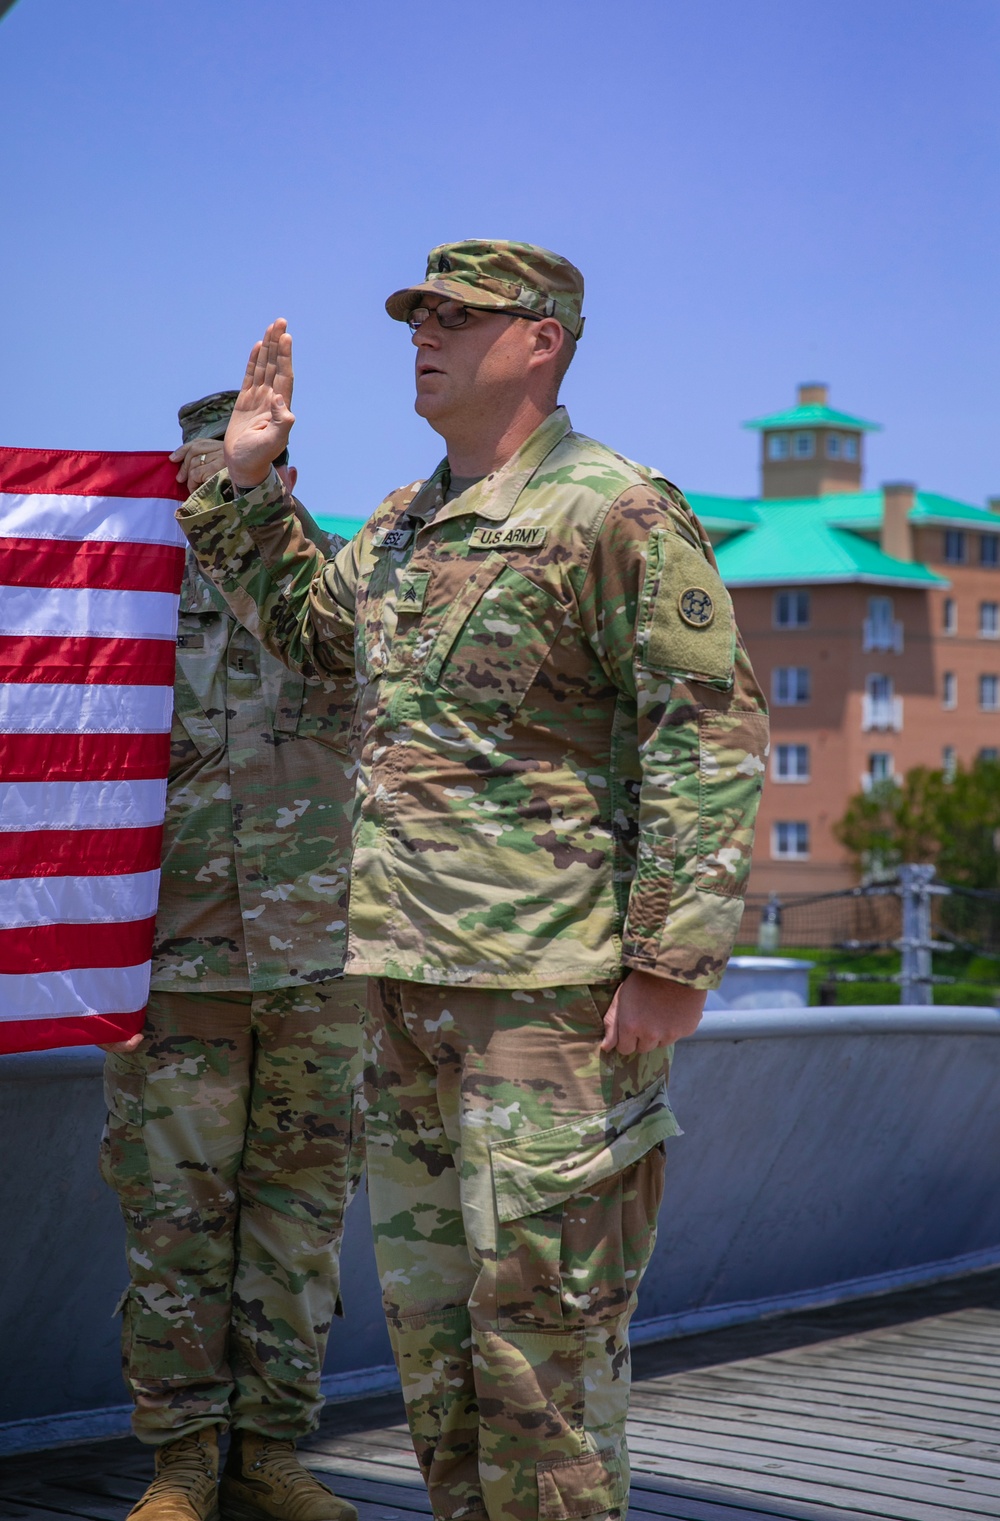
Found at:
[989, 753]
[949, 616]
[880, 766]
[954, 546]
[777, 446]
[833, 442]
[880, 707]
[791, 763]
[791, 685]
[791, 609]
[849, 447]
[949, 762]
[989, 693]
[805, 445]
[949, 690]
[989, 619]
[880, 769]
[881, 630]
[790, 841]
[989, 550]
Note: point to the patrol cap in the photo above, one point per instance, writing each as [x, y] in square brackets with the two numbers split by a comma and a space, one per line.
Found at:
[207, 417]
[501, 277]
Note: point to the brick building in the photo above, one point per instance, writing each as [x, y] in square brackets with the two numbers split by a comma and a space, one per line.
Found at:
[873, 621]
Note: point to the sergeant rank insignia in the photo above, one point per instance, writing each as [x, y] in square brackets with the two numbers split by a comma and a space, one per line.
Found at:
[696, 607]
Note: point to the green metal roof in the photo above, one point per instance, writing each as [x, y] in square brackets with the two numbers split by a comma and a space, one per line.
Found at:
[862, 510]
[346, 527]
[725, 512]
[796, 543]
[814, 416]
[931, 508]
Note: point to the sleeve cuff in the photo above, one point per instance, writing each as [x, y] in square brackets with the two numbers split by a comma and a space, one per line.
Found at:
[691, 943]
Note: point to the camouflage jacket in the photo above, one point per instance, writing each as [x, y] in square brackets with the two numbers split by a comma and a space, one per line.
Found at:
[563, 741]
[253, 892]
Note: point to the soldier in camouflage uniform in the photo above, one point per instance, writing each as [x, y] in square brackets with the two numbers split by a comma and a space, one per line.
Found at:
[563, 747]
[231, 1139]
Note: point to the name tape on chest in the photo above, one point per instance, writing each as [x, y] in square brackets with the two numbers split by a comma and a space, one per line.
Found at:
[510, 536]
[391, 538]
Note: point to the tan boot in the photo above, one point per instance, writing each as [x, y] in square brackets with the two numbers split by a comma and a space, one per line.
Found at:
[186, 1483]
[264, 1481]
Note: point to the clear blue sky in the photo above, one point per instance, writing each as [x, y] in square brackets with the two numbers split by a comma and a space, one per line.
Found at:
[758, 191]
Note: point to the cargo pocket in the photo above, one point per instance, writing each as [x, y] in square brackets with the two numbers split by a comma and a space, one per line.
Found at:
[576, 1214]
[493, 639]
[583, 1486]
[124, 1159]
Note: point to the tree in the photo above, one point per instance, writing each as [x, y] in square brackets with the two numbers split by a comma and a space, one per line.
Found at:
[949, 821]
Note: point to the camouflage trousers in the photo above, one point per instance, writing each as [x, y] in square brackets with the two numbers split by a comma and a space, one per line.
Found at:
[233, 1146]
[515, 1175]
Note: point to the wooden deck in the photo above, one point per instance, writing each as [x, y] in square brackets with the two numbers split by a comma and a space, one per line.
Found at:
[888, 1408]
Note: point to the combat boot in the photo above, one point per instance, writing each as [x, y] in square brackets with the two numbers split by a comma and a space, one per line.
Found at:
[264, 1481]
[186, 1483]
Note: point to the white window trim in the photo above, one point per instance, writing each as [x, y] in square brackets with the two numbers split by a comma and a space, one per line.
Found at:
[994, 632]
[792, 702]
[790, 781]
[782, 628]
[788, 855]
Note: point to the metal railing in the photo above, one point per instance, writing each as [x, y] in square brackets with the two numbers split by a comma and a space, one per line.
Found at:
[911, 914]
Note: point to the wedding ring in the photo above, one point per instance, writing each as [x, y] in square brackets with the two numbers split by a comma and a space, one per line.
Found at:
[202, 458]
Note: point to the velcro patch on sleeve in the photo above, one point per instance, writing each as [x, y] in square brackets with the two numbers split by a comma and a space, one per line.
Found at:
[687, 626]
[509, 536]
[391, 538]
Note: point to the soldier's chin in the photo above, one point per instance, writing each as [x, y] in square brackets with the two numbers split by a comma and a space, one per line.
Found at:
[432, 408]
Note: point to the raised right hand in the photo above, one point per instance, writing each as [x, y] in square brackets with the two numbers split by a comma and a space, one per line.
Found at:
[261, 421]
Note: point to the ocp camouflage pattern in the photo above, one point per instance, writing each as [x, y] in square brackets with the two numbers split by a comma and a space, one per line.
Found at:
[560, 770]
[255, 864]
[233, 1144]
[515, 1172]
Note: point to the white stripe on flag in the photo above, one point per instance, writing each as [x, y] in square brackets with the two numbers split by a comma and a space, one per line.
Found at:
[61, 995]
[115, 519]
[51, 708]
[87, 611]
[27, 901]
[82, 805]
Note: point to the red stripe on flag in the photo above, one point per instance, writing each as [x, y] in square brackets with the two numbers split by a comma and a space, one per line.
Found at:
[90, 562]
[73, 947]
[80, 853]
[87, 472]
[84, 757]
[87, 660]
[73, 1030]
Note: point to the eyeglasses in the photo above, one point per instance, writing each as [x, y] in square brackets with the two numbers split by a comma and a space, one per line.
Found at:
[454, 314]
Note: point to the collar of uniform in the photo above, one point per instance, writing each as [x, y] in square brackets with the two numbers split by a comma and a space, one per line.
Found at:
[430, 498]
[494, 496]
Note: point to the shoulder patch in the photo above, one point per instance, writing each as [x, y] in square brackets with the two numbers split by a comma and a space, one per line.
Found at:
[696, 607]
[686, 625]
[509, 536]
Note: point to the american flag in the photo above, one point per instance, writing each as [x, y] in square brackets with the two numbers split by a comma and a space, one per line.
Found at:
[91, 560]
